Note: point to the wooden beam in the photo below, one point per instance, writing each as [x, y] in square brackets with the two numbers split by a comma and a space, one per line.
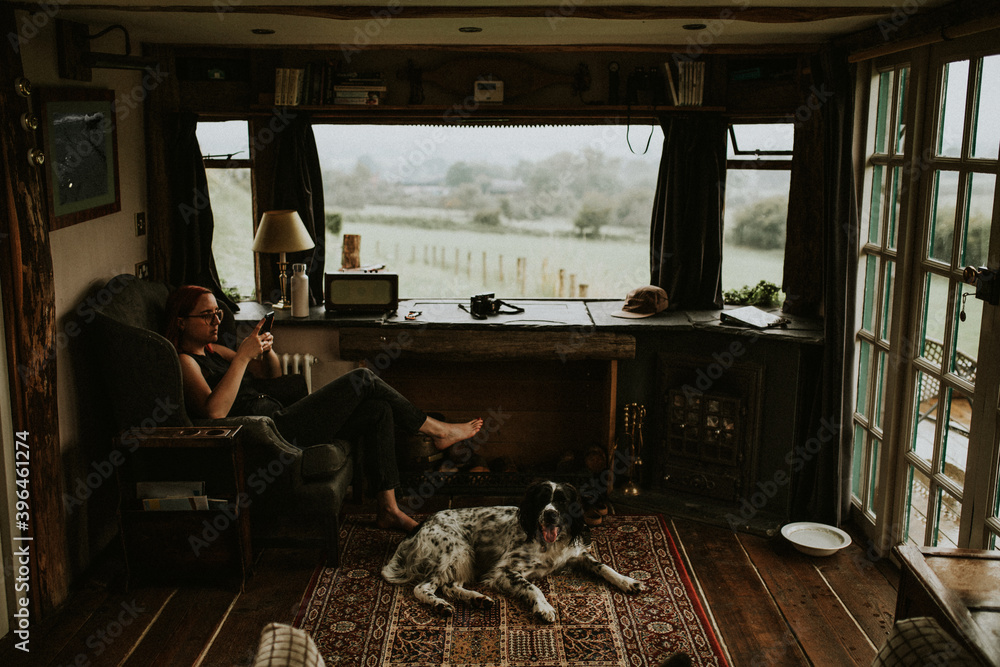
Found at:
[900, 30]
[543, 11]
[30, 327]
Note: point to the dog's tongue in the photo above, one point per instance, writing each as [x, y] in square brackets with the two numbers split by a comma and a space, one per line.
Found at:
[550, 533]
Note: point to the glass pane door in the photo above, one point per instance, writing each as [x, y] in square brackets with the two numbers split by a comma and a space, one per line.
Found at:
[961, 187]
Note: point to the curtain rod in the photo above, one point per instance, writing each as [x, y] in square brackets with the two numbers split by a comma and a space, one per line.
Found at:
[944, 34]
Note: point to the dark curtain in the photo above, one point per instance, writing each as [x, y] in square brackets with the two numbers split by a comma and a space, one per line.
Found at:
[298, 185]
[821, 277]
[686, 233]
[191, 223]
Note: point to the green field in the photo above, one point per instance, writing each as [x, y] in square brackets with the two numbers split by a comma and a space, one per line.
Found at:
[425, 260]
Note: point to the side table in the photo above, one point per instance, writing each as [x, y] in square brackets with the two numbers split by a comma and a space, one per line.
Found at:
[184, 545]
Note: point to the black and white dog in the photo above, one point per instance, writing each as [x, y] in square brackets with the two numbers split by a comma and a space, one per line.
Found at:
[503, 547]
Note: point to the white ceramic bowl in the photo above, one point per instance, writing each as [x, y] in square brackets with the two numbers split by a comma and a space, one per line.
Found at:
[815, 539]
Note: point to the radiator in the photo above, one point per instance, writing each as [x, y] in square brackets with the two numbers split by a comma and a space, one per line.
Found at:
[299, 364]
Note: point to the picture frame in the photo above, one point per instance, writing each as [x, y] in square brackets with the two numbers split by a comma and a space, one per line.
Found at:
[79, 133]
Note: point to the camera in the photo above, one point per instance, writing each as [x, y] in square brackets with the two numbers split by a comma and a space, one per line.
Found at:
[483, 305]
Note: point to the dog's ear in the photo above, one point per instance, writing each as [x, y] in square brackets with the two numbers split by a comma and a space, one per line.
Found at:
[531, 506]
[576, 525]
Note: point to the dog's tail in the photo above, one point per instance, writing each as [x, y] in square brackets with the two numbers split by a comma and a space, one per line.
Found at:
[395, 570]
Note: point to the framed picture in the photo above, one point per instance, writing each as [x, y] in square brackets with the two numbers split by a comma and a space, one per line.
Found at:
[81, 154]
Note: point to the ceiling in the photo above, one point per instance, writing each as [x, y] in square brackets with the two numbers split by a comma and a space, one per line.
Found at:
[727, 24]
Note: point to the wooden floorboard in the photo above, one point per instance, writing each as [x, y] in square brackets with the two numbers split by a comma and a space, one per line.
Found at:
[752, 627]
[273, 594]
[824, 627]
[184, 627]
[115, 627]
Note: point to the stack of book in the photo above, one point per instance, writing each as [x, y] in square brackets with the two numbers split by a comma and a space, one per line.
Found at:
[289, 85]
[690, 82]
[167, 496]
[358, 88]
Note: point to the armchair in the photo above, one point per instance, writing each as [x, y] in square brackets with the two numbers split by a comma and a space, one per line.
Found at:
[295, 493]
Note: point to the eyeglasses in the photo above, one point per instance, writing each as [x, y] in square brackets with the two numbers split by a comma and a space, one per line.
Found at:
[210, 316]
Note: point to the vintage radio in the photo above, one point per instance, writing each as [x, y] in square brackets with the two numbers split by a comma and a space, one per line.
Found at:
[359, 292]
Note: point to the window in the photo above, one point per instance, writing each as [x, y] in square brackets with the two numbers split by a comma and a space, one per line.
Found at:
[518, 211]
[225, 147]
[757, 180]
[877, 268]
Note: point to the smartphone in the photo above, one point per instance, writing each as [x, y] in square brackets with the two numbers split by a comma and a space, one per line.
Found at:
[268, 319]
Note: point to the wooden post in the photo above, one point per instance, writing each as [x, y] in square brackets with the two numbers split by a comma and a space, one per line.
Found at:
[583, 290]
[350, 256]
[572, 284]
[522, 273]
[561, 285]
[468, 264]
[29, 307]
[425, 254]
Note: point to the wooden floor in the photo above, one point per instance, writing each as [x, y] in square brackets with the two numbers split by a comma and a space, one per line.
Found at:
[772, 606]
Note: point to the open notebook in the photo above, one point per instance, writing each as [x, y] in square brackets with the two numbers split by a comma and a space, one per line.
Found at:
[751, 316]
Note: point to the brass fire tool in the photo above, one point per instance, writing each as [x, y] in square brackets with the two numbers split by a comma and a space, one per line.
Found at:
[633, 418]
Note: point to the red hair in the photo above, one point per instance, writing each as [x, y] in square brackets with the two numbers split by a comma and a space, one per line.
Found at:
[180, 303]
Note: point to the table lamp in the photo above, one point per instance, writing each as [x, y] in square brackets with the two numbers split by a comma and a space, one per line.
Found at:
[281, 232]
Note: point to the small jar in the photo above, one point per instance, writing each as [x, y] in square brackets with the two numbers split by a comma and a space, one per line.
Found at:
[300, 291]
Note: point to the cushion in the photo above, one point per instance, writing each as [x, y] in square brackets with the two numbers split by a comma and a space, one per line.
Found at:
[322, 461]
[284, 646]
[921, 641]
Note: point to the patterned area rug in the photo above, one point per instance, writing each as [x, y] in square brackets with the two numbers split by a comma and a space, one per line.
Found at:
[357, 618]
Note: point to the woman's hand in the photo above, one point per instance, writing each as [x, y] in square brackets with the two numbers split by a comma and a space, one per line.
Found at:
[256, 344]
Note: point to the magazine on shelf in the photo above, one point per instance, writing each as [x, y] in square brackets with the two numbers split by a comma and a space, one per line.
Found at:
[174, 504]
[169, 489]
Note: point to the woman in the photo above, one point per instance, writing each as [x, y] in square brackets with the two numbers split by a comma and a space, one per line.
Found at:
[218, 382]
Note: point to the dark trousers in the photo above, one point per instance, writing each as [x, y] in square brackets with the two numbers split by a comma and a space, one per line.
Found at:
[358, 406]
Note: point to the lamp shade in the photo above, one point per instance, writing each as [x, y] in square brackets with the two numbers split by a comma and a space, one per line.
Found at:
[281, 231]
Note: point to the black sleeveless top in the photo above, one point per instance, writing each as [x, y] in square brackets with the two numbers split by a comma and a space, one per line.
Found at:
[250, 401]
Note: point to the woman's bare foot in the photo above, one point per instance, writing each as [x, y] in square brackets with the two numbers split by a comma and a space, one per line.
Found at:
[445, 434]
[394, 520]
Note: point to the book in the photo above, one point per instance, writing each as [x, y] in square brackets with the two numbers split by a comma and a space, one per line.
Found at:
[670, 82]
[368, 100]
[752, 316]
[168, 489]
[175, 504]
[358, 87]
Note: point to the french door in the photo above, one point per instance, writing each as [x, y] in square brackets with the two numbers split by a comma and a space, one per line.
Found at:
[926, 447]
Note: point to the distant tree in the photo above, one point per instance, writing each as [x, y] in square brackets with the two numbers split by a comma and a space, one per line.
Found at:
[762, 224]
[591, 218]
[487, 218]
[459, 173]
[334, 221]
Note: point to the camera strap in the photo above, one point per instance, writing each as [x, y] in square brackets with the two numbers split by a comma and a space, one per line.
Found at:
[513, 309]
[474, 315]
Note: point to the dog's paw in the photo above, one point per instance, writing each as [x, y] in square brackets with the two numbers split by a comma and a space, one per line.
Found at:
[630, 585]
[444, 608]
[482, 603]
[545, 612]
